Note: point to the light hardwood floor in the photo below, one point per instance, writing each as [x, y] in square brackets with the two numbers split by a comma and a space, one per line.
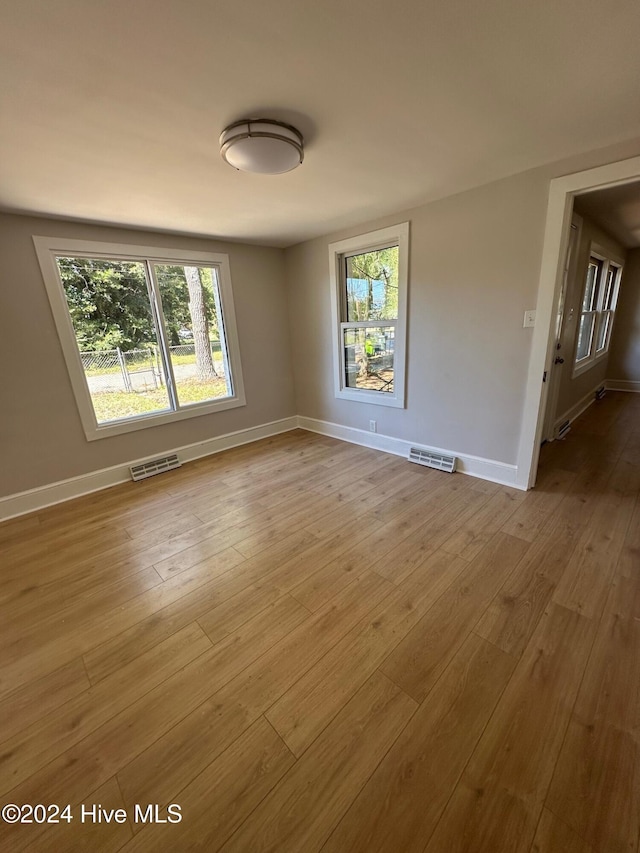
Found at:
[309, 646]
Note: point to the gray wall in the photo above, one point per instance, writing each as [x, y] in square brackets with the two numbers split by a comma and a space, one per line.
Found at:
[574, 389]
[474, 261]
[42, 440]
[624, 360]
[474, 269]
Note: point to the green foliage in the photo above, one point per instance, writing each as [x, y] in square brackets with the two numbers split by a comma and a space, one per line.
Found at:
[174, 294]
[109, 303]
[379, 268]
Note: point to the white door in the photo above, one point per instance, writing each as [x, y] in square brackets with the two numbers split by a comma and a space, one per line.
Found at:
[561, 354]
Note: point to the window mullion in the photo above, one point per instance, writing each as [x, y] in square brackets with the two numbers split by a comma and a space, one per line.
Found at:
[158, 317]
[368, 324]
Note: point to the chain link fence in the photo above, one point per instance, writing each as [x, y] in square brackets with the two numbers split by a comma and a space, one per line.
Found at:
[190, 350]
[141, 369]
[100, 361]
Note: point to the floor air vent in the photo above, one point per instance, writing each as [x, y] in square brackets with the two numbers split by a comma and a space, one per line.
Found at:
[563, 429]
[600, 393]
[155, 466]
[432, 459]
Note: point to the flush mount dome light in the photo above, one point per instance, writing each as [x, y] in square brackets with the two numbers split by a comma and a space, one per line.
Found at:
[262, 145]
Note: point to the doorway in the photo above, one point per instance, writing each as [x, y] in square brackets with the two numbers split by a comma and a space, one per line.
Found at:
[557, 239]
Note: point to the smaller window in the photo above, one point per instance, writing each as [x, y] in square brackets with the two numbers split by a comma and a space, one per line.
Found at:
[369, 284]
[599, 298]
[609, 300]
[588, 312]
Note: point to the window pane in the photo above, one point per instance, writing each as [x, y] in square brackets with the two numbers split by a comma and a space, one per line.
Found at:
[584, 336]
[603, 331]
[195, 332]
[590, 297]
[116, 335]
[372, 285]
[608, 295]
[368, 358]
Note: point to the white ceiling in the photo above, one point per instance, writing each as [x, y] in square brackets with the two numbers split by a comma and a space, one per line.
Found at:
[110, 110]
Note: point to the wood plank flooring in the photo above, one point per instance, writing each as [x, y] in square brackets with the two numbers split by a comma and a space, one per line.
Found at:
[312, 646]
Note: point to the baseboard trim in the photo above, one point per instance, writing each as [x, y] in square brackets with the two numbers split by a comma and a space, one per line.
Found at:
[474, 466]
[75, 487]
[623, 385]
[578, 408]
[39, 498]
[235, 439]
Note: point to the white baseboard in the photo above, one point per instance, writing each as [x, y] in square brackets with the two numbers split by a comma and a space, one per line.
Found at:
[234, 439]
[475, 466]
[75, 487]
[64, 490]
[623, 385]
[581, 406]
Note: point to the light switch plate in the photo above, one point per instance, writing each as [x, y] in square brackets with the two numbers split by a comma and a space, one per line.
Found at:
[529, 319]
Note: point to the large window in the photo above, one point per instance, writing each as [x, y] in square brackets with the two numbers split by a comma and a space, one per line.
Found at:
[597, 310]
[148, 335]
[369, 297]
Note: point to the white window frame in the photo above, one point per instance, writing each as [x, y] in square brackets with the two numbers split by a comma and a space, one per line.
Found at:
[605, 312]
[600, 312]
[383, 238]
[48, 248]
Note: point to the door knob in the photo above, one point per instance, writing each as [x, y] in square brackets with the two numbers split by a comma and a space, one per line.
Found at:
[559, 360]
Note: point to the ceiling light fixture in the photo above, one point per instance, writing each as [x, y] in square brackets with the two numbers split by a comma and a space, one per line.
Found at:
[262, 145]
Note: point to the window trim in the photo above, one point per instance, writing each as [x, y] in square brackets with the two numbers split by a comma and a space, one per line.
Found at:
[394, 235]
[47, 248]
[605, 312]
[595, 355]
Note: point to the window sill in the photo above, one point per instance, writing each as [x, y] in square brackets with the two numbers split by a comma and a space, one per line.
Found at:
[377, 398]
[588, 365]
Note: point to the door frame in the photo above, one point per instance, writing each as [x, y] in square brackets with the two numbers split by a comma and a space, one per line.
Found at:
[562, 191]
